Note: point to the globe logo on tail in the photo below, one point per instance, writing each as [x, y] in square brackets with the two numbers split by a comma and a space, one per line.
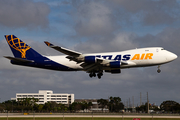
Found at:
[18, 45]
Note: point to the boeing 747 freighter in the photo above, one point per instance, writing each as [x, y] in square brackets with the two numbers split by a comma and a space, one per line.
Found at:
[93, 63]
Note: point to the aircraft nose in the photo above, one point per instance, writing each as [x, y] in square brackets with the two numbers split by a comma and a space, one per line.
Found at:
[172, 56]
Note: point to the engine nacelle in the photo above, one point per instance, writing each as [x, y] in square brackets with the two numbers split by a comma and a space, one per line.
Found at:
[115, 64]
[90, 59]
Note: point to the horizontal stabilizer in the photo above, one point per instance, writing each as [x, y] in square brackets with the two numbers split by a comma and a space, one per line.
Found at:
[18, 59]
[63, 50]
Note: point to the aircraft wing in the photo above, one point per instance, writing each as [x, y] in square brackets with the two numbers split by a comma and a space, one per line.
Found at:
[98, 65]
[63, 50]
[89, 63]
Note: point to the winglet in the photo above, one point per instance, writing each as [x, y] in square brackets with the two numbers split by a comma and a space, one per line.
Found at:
[48, 43]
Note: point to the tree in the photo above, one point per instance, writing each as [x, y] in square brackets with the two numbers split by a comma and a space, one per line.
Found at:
[115, 104]
[142, 108]
[72, 107]
[47, 106]
[170, 106]
[34, 100]
[63, 107]
[78, 106]
[84, 105]
[103, 103]
[35, 108]
[2, 107]
[90, 104]
[8, 104]
[40, 107]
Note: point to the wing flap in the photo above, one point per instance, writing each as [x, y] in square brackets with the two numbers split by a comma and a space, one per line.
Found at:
[90, 67]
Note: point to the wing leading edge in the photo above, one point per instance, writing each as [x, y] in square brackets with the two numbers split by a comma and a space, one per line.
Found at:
[63, 50]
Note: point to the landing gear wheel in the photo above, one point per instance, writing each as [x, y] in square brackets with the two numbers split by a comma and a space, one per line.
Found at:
[99, 75]
[158, 70]
[94, 74]
[90, 75]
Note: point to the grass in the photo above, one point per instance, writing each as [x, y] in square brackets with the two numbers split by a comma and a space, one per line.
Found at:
[86, 118]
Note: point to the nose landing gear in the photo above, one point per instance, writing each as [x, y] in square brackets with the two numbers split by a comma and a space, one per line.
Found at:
[158, 69]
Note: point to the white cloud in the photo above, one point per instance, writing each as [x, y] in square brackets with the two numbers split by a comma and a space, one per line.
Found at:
[150, 12]
[24, 13]
[93, 18]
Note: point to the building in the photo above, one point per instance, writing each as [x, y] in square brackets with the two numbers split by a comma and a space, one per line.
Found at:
[95, 107]
[48, 96]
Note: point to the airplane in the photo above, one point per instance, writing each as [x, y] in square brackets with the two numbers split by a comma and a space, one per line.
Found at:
[94, 63]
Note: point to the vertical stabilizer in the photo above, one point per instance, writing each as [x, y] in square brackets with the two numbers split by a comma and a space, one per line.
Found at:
[21, 49]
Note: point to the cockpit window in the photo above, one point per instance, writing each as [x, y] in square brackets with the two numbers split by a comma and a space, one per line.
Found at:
[162, 49]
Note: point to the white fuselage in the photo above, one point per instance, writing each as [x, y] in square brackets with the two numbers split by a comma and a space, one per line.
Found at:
[135, 58]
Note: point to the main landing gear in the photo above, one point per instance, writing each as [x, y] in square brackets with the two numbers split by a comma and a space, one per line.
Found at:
[158, 69]
[93, 74]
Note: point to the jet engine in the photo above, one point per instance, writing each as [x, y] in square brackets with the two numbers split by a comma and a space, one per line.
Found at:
[90, 59]
[115, 64]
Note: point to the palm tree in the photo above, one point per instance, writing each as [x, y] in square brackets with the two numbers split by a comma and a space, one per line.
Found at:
[102, 103]
[18, 101]
[90, 104]
[115, 104]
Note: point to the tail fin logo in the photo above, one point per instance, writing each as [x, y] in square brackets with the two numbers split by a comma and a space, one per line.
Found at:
[17, 44]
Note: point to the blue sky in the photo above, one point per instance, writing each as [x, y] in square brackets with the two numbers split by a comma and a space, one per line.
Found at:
[92, 26]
